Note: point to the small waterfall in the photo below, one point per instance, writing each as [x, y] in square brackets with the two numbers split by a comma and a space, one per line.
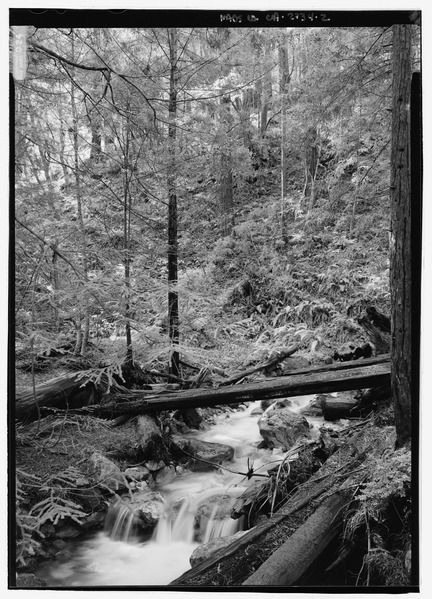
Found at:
[176, 525]
[120, 521]
[217, 527]
[196, 511]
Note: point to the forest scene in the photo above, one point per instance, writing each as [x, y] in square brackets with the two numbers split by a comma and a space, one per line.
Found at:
[213, 371]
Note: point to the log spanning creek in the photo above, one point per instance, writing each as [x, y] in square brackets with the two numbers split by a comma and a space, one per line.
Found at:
[119, 556]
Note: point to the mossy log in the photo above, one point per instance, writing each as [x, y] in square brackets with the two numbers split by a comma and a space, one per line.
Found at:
[288, 563]
[265, 365]
[335, 408]
[232, 564]
[358, 374]
[65, 392]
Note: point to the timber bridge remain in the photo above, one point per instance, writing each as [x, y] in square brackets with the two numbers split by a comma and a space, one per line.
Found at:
[73, 393]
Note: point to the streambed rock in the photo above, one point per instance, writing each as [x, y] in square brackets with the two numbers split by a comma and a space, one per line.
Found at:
[218, 507]
[202, 552]
[165, 475]
[291, 364]
[106, 473]
[148, 432]
[266, 403]
[196, 450]
[313, 409]
[149, 509]
[137, 473]
[282, 428]
[212, 515]
[29, 581]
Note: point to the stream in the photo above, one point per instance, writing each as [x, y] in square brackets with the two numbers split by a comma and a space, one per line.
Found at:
[119, 557]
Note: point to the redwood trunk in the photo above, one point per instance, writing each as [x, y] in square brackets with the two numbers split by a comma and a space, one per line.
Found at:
[400, 246]
[173, 305]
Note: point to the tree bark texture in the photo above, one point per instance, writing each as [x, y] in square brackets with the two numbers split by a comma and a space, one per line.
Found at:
[226, 177]
[334, 408]
[343, 379]
[284, 79]
[288, 563]
[271, 362]
[127, 209]
[173, 304]
[378, 328]
[233, 563]
[83, 319]
[400, 243]
[61, 393]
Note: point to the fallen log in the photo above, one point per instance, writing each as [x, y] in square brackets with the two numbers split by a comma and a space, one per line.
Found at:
[359, 375]
[239, 551]
[334, 408]
[203, 571]
[65, 392]
[271, 362]
[288, 563]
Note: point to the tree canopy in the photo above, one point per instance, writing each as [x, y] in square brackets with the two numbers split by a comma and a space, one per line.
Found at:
[177, 189]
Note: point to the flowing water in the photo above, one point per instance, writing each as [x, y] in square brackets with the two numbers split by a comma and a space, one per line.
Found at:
[119, 557]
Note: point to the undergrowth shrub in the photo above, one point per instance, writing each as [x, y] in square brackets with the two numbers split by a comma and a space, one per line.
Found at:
[54, 505]
[385, 505]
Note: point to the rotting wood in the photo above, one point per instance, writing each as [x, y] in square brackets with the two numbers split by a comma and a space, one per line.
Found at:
[249, 537]
[318, 484]
[335, 408]
[72, 392]
[290, 561]
[342, 470]
[342, 379]
[377, 326]
[65, 392]
[271, 362]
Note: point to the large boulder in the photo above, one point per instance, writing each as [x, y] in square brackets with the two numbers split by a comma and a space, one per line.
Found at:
[202, 552]
[148, 508]
[217, 506]
[27, 580]
[266, 403]
[165, 475]
[148, 432]
[314, 408]
[290, 364]
[214, 512]
[282, 428]
[137, 473]
[190, 416]
[107, 474]
[202, 455]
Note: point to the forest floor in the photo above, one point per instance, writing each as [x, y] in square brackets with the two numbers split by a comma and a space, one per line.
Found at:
[55, 445]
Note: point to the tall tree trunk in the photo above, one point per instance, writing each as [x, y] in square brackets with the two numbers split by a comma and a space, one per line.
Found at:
[284, 79]
[226, 177]
[313, 152]
[96, 139]
[62, 150]
[56, 284]
[83, 326]
[43, 153]
[266, 93]
[400, 244]
[173, 305]
[127, 205]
